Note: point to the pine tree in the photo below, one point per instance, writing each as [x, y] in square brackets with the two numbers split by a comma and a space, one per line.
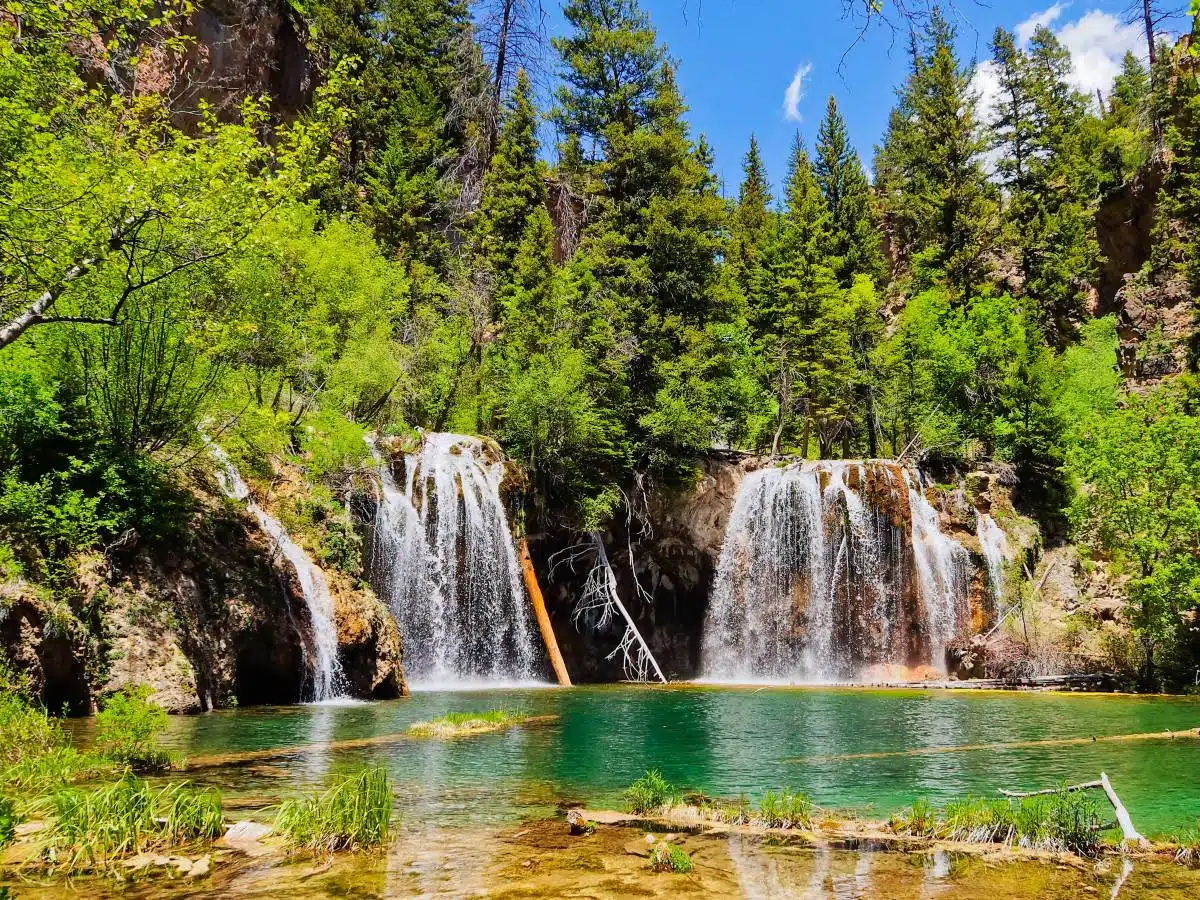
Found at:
[803, 326]
[855, 239]
[514, 187]
[751, 224]
[1051, 186]
[931, 167]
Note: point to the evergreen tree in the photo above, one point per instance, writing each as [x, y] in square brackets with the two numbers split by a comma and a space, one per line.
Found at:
[751, 226]
[855, 239]
[514, 187]
[1051, 188]
[931, 167]
[802, 327]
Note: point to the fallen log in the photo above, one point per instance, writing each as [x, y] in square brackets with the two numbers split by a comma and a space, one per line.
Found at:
[543, 617]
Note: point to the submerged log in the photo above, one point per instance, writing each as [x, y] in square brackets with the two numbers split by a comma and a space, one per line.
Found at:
[543, 617]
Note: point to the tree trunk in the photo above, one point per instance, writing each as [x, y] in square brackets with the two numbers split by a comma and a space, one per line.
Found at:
[543, 617]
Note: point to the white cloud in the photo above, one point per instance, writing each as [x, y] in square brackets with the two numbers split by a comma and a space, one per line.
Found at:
[1049, 16]
[1096, 40]
[795, 93]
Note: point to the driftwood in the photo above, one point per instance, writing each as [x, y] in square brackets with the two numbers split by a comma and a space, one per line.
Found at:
[543, 617]
[1129, 834]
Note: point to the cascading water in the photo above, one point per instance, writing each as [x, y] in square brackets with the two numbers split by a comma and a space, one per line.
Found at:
[829, 567]
[994, 544]
[442, 555]
[324, 666]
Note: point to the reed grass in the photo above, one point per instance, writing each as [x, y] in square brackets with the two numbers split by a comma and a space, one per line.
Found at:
[353, 814]
[93, 829]
[1187, 847]
[1065, 820]
[785, 809]
[650, 793]
[453, 724]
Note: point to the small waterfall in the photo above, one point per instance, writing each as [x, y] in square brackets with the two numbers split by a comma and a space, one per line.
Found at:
[943, 569]
[442, 555]
[324, 667]
[829, 567]
[994, 544]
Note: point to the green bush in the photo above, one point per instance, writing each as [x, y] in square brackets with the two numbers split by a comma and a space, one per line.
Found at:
[127, 730]
[93, 829]
[354, 814]
[650, 793]
[670, 858]
[786, 809]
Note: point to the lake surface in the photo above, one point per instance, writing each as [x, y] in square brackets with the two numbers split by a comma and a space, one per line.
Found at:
[724, 741]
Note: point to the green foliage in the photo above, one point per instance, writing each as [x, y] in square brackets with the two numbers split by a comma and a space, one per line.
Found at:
[785, 809]
[666, 857]
[93, 829]
[127, 730]
[353, 814]
[1141, 508]
[854, 245]
[650, 793]
[8, 821]
[1187, 846]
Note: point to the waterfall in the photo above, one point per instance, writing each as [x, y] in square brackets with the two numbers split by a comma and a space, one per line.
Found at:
[324, 667]
[442, 555]
[994, 544]
[826, 568]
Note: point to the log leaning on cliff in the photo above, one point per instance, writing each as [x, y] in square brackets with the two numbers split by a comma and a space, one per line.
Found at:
[543, 617]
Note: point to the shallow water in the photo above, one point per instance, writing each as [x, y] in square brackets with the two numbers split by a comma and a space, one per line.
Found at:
[724, 741]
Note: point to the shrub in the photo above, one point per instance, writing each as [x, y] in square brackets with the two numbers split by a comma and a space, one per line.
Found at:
[787, 809]
[650, 793]
[670, 858]
[92, 829]
[127, 730]
[354, 814]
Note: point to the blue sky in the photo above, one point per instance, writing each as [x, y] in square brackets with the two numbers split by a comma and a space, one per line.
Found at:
[737, 59]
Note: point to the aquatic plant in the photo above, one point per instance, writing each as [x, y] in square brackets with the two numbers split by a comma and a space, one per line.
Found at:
[127, 730]
[35, 754]
[1187, 846]
[1063, 820]
[453, 724]
[918, 820]
[670, 858]
[355, 813]
[94, 828]
[650, 793]
[786, 809]
[730, 812]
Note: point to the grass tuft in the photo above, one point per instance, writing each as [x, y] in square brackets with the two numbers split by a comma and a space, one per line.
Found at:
[786, 809]
[1187, 847]
[94, 828]
[1064, 820]
[455, 724]
[8, 821]
[650, 793]
[355, 813]
[670, 858]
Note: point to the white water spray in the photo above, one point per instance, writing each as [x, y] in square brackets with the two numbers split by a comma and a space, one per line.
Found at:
[324, 666]
[828, 567]
[994, 544]
[442, 555]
